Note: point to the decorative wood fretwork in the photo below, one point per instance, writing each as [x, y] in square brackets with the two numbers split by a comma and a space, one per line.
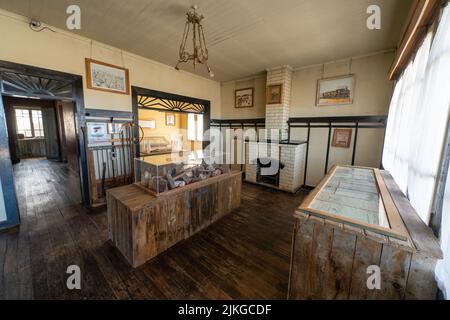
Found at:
[169, 105]
[14, 83]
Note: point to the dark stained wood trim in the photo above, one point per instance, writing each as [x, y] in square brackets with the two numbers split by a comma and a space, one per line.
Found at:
[108, 114]
[77, 98]
[425, 12]
[137, 91]
[6, 176]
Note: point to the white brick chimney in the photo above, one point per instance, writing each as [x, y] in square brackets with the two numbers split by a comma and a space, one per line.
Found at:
[277, 115]
[291, 154]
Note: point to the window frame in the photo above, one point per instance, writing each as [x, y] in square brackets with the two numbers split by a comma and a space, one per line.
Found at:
[196, 127]
[30, 118]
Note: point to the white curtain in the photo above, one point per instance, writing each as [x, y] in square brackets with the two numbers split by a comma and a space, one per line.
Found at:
[416, 132]
[418, 120]
[402, 117]
[439, 102]
[432, 116]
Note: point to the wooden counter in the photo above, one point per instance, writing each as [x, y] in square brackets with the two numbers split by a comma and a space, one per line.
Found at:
[142, 226]
[331, 254]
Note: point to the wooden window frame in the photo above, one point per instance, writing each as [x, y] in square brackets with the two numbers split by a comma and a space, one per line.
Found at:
[30, 111]
[425, 12]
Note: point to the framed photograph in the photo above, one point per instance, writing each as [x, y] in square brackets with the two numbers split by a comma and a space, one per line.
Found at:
[107, 77]
[148, 124]
[274, 94]
[170, 119]
[244, 98]
[335, 91]
[342, 138]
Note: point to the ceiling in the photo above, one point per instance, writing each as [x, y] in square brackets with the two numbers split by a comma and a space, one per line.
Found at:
[244, 37]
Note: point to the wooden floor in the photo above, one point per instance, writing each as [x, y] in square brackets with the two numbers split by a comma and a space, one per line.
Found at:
[243, 256]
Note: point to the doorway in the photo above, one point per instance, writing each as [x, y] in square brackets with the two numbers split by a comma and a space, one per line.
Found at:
[169, 123]
[44, 138]
[43, 145]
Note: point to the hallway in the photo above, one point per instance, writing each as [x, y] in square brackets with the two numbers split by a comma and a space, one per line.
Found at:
[44, 185]
[243, 256]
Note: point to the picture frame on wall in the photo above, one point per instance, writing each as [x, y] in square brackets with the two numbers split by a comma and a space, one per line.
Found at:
[170, 119]
[148, 124]
[274, 94]
[243, 98]
[342, 138]
[106, 77]
[335, 91]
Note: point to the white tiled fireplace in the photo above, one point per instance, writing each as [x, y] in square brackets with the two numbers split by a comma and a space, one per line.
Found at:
[289, 154]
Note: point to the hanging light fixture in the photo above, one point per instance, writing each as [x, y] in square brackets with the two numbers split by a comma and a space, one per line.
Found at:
[200, 54]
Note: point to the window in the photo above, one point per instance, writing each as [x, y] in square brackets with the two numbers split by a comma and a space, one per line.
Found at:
[416, 133]
[29, 123]
[37, 123]
[195, 127]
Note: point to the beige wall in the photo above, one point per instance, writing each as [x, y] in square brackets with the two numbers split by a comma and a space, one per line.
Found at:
[161, 129]
[64, 51]
[228, 94]
[373, 89]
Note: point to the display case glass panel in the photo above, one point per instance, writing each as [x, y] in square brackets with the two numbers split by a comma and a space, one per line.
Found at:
[162, 173]
[353, 196]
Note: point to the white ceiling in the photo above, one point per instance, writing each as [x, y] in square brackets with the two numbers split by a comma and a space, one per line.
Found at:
[244, 37]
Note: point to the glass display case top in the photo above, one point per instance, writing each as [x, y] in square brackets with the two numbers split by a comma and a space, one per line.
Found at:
[352, 193]
[176, 157]
[165, 172]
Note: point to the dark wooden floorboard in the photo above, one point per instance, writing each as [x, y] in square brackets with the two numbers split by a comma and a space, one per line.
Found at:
[242, 256]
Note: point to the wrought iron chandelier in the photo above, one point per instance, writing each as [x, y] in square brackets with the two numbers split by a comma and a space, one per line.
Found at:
[200, 54]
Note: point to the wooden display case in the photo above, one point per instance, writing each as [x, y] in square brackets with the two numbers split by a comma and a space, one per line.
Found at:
[142, 225]
[357, 218]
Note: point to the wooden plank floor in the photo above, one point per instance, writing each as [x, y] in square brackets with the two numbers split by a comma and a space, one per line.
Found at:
[243, 256]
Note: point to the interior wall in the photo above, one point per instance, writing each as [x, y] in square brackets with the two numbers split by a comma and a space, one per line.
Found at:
[161, 130]
[259, 102]
[66, 52]
[373, 90]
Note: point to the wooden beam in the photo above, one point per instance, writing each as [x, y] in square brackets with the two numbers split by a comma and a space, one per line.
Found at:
[423, 15]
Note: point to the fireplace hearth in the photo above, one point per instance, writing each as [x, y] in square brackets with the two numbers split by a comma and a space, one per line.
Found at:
[271, 179]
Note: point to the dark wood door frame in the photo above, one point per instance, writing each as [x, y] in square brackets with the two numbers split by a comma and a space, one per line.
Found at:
[6, 170]
[137, 91]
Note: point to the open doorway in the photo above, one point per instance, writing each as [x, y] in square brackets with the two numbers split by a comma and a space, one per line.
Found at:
[63, 172]
[166, 132]
[42, 138]
[169, 123]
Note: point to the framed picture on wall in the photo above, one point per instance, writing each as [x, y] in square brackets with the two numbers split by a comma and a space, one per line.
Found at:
[170, 119]
[244, 98]
[335, 91]
[148, 124]
[342, 138]
[274, 94]
[107, 77]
